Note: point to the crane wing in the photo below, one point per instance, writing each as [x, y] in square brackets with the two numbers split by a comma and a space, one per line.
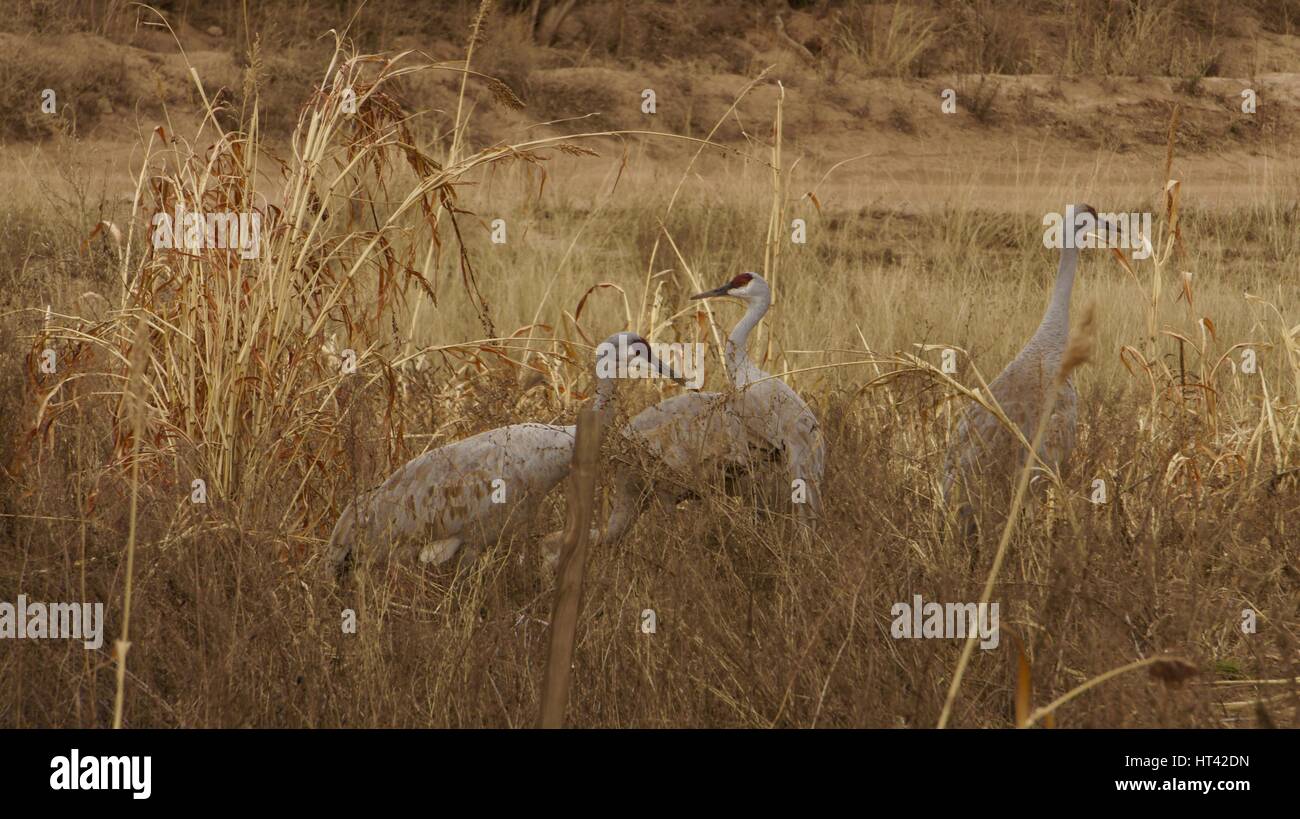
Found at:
[471, 489]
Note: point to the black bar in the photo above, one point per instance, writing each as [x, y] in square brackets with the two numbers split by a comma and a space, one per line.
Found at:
[333, 768]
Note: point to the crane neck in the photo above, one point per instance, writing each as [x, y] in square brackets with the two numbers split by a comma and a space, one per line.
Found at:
[606, 388]
[739, 367]
[1055, 326]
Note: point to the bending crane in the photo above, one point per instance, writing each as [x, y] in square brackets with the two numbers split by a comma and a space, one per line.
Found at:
[478, 490]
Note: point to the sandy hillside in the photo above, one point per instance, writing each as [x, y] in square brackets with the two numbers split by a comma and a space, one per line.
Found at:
[1028, 134]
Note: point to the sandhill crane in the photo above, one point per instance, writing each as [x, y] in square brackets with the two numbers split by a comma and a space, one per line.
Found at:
[769, 410]
[670, 443]
[478, 490]
[982, 448]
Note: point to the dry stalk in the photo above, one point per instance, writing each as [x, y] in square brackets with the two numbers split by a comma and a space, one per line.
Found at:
[573, 560]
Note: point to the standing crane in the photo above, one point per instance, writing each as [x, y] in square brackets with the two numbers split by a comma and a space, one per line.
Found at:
[478, 490]
[768, 409]
[984, 450]
[674, 441]
[669, 445]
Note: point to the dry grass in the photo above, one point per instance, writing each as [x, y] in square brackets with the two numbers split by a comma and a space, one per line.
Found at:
[886, 41]
[378, 242]
[901, 38]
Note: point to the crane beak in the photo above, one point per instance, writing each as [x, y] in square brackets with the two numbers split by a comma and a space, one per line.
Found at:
[717, 291]
[666, 371]
[1107, 230]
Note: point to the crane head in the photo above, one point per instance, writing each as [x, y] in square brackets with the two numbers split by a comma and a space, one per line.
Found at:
[1085, 219]
[1081, 217]
[629, 353]
[744, 286]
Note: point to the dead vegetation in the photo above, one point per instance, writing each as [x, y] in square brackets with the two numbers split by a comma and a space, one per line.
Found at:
[210, 366]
